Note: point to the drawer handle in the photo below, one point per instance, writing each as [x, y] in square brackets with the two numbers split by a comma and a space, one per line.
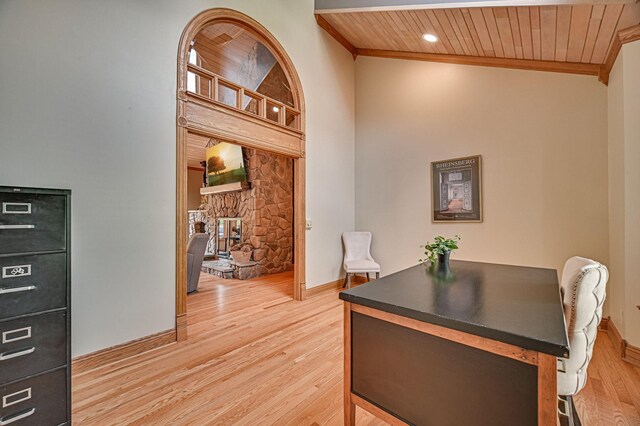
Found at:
[16, 271]
[17, 289]
[17, 417]
[13, 355]
[16, 398]
[17, 226]
[6, 208]
[16, 335]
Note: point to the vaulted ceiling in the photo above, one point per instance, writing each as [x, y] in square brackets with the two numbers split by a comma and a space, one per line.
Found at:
[576, 38]
[236, 54]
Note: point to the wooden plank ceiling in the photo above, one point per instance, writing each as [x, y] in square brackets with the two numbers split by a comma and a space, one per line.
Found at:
[224, 48]
[580, 33]
[236, 54]
[196, 150]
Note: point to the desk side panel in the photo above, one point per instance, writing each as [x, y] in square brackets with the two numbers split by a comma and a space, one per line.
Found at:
[426, 380]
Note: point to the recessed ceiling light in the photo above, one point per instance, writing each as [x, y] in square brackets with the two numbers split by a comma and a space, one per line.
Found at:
[276, 109]
[430, 38]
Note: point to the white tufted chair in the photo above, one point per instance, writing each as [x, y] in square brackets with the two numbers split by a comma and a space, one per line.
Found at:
[583, 293]
[357, 255]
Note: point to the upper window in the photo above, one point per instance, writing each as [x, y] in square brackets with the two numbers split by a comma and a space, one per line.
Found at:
[192, 80]
[236, 54]
[193, 56]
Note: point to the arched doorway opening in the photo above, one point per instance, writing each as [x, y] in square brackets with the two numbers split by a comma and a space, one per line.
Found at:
[237, 104]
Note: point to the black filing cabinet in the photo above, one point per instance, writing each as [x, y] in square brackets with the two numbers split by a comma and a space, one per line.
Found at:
[35, 315]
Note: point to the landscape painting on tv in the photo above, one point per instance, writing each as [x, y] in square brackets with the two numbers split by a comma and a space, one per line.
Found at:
[457, 190]
[225, 164]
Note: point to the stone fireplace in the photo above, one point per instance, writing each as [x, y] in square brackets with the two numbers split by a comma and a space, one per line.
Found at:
[266, 211]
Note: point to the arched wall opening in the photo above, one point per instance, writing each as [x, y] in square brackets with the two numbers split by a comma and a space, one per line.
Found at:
[241, 109]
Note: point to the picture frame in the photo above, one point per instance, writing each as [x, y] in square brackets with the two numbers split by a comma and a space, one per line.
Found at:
[456, 190]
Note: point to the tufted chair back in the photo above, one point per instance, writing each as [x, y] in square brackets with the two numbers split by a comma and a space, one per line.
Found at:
[357, 246]
[583, 293]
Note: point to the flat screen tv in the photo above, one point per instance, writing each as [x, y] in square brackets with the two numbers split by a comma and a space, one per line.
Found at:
[225, 164]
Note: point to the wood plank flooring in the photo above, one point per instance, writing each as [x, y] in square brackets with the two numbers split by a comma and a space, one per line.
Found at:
[612, 394]
[256, 357]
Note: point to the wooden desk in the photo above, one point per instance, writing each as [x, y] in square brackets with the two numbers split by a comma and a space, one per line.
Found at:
[474, 346]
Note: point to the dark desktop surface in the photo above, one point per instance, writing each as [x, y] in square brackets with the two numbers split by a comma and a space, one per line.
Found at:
[511, 304]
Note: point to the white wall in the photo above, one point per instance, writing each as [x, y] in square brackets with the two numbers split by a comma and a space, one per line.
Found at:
[87, 102]
[631, 54]
[617, 237]
[543, 141]
[624, 197]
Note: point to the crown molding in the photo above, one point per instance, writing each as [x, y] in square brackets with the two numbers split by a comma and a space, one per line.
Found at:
[325, 25]
[623, 37]
[523, 64]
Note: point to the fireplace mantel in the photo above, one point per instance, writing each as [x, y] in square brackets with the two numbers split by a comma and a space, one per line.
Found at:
[218, 189]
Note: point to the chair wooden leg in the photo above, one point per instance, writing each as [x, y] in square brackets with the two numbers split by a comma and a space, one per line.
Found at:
[377, 275]
[368, 279]
[346, 280]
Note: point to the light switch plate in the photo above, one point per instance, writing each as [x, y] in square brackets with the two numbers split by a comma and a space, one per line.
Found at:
[309, 224]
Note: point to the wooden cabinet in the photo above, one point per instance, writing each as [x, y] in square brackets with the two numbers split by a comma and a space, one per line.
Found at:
[35, 323]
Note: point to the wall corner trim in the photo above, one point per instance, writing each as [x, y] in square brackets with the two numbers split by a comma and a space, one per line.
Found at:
[627, 352]
[91, 361]
[604, 324]
[325, 25]
[522, 64]
[624, 36]
[332, 286]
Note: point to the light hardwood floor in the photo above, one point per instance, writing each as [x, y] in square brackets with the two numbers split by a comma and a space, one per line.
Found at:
[612, 394]
[256, 357]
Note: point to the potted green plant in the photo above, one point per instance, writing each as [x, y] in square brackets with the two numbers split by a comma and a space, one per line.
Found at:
[440, 250]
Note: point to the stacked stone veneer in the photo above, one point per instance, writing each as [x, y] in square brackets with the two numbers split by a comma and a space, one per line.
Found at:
[266, 210]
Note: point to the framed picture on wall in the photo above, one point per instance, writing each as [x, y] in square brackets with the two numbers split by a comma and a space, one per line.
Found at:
[456, 188]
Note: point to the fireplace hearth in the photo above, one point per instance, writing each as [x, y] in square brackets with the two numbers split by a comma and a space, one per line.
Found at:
[229, 269]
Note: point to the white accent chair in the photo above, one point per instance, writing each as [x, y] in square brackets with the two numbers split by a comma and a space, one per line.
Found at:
[583, 290]
[357, 256]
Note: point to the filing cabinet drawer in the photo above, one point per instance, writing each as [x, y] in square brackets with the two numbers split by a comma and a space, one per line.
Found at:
[31, 345]
[32, 222]
[32, 284]
[37, 401]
